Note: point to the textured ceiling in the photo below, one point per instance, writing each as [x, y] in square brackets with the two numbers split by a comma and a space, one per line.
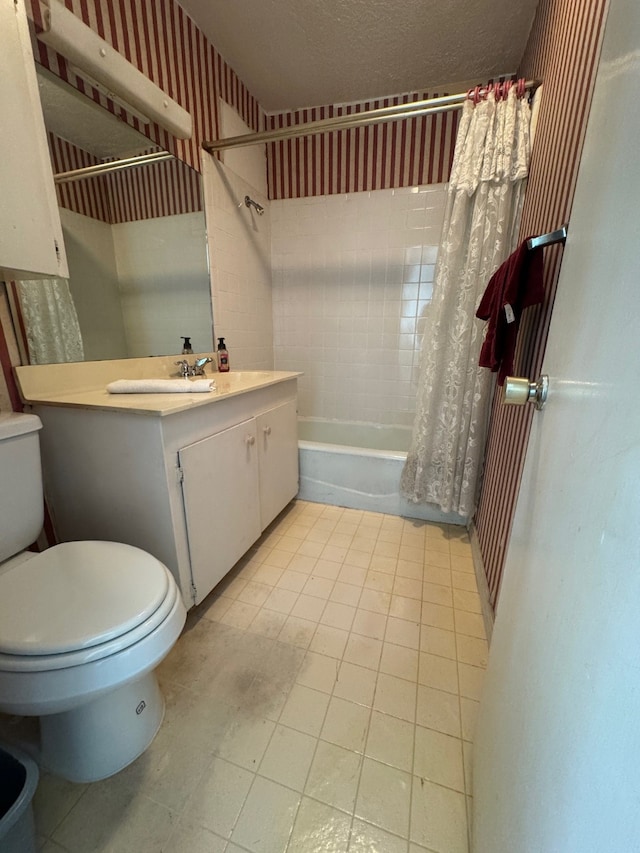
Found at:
[302, 53]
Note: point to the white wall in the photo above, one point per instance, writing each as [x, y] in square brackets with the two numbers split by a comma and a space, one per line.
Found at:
[162, 270]
[93, 280]
[240, 255]
[351, 277]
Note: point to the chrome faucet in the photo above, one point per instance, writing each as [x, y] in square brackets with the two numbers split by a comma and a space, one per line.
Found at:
[199, 365]
[195, 369]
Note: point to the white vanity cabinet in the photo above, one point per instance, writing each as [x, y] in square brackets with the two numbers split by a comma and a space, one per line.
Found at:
[234, 484]
[31, 244]
[195, 488]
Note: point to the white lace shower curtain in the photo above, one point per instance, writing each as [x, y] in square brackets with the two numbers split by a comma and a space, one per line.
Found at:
[51, 321]
[482, 216]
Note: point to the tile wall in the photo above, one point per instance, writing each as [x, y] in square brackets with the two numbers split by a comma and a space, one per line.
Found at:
[352, 275]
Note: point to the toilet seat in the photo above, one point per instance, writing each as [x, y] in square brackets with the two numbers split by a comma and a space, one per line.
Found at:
[79, 602]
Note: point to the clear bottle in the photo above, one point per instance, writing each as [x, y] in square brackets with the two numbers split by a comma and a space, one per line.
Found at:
[223, 357]
[186, 346]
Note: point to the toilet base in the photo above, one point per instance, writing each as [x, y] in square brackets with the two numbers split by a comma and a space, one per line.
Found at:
[98, 739]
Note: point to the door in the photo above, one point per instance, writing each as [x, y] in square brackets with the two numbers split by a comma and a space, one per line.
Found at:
[557, 755]
[221, 502]
[277, 432]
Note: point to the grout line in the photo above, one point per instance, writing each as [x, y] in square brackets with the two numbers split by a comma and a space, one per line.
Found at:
[368, 728]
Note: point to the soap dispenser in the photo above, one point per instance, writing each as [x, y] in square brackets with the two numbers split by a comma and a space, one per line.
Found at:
[186, 347]
[223, 357]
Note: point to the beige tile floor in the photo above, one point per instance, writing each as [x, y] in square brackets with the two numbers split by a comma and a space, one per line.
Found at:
[321, 699]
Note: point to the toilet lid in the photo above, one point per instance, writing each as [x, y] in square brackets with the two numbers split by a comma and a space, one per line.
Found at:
[77, 595]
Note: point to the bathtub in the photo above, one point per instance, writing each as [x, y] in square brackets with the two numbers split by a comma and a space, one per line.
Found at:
[358, 466]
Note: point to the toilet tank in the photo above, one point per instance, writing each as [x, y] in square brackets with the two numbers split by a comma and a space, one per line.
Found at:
[21, 507]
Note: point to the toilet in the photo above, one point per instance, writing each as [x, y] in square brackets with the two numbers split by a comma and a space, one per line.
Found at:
[82, 627]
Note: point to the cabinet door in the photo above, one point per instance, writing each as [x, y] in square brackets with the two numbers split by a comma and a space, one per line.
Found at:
[278, 459]
[30, 232]
[221, 502]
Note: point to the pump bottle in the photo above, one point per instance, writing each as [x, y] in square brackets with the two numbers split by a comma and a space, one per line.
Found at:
[223, 357]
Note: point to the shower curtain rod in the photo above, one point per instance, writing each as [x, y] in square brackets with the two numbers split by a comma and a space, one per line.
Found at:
[393, 113]
[111, 166]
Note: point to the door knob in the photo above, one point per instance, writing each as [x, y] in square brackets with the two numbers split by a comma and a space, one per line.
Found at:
[249, 440]
[519, 390]
[267, 430]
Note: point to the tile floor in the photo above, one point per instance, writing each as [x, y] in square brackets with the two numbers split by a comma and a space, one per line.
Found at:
[321, 699]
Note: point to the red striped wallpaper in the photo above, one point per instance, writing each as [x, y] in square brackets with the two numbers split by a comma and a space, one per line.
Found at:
[166, 188]
[9, 342]
[562, 51]
[89, 196]
[395, 154]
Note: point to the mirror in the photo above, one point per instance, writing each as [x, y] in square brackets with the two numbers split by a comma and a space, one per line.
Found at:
[135, 239]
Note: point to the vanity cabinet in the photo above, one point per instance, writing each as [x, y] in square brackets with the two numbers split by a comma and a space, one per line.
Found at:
[195, 488]
[234, 484]
[221, 501]
[31, 244]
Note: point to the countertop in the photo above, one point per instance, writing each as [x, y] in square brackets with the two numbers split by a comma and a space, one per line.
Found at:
[226, 385]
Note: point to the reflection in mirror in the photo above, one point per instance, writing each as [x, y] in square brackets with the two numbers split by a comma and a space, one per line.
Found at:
[135, 242]
[50, 321]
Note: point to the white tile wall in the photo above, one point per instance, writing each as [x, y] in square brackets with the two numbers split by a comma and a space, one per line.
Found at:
[351, 277]
[240, 259]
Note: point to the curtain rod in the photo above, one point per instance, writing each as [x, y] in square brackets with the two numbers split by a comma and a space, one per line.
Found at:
[111, 166]
[382, 114]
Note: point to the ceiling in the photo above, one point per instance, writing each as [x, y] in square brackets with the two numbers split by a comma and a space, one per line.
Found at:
[302, 53]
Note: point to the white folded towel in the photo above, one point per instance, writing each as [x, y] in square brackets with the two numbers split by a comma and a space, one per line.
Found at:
[160, 386]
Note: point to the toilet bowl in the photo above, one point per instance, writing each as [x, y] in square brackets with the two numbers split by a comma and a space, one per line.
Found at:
[82, 627]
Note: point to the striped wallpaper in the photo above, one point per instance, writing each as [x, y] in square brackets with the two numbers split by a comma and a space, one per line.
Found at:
[562, 51]
[89, 196]
[394, 154]
[166, 188]
[9, 356]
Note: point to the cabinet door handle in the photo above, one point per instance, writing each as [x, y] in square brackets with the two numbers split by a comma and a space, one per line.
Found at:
[249, 440]
[267, 430]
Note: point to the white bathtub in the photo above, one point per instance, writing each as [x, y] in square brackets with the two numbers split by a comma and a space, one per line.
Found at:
[358, 466]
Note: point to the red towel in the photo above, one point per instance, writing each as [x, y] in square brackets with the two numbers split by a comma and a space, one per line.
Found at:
[514, 286]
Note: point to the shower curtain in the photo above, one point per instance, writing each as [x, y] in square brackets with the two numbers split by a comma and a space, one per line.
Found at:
[51, 322]
[482, 216]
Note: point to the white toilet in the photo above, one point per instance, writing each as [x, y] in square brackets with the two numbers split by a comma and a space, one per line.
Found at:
[82, 627]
